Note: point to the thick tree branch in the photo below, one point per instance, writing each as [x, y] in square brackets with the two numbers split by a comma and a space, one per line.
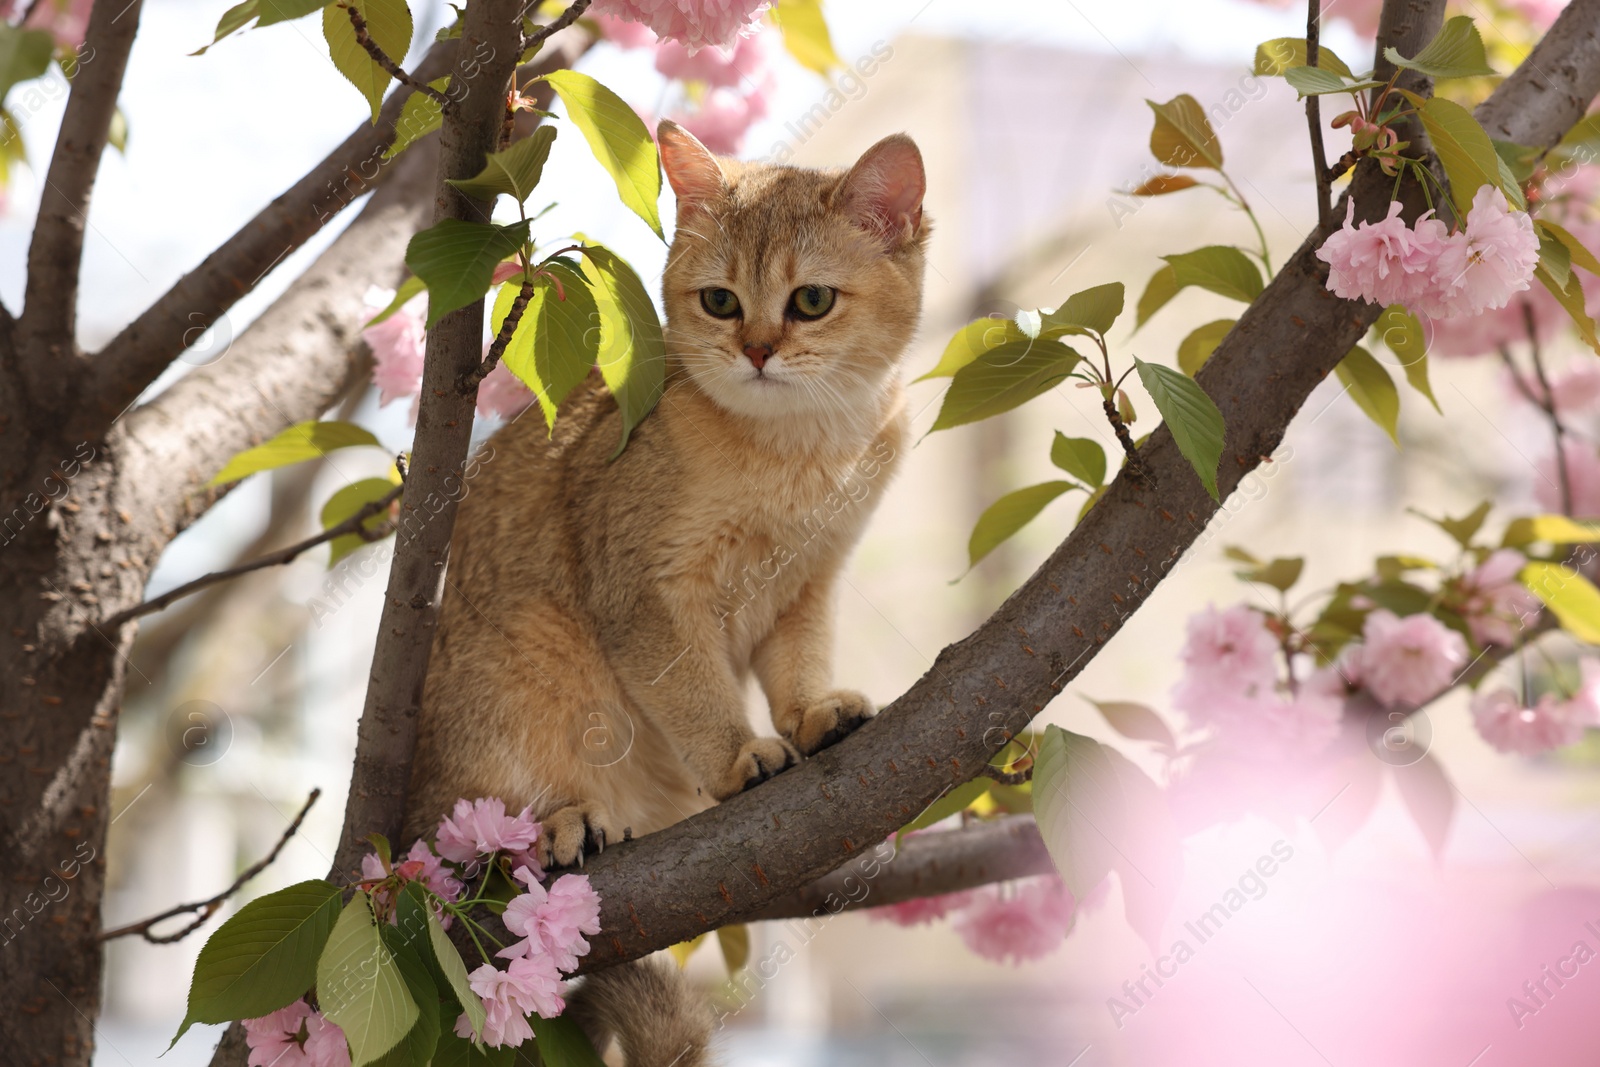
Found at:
[202, 910]
[741, 855]
[48, 325]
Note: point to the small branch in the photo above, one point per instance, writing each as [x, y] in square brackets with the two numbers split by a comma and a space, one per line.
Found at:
[1007, 777]
[1319, 157]
[1548, 404]
[1136, 467]
[355, 525]
[380, 57]
[205, 909]
[468, 383]
[538, 37]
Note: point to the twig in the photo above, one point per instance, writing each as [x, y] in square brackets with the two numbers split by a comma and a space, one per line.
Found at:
[1136, 468]
[566, 18]
[355, 525]
[380, 57]
[470, 380]
[1319, 158]
[205, 909]
[1549, 406]
[1007, 777]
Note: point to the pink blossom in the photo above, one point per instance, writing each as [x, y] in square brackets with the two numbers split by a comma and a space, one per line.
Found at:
[719, 68]
[1361, 14]
[1230, 655]
[67, 20]
[502, 394]
[1483, 265]
[1541, 13]
[1019, 922]
[1583, 477]
[693, 23]
[622, 32]
[504, 272]
[481, 827]
[1584, 705]
[1489, 331]
[1384, 262]
[1508, 726]
[295, 1036]
[397, 345]
[418, 865]
[922, 910]
[553, 922]
[1496, 603]
[1576, 391]
[1409, 660]
[530, 984]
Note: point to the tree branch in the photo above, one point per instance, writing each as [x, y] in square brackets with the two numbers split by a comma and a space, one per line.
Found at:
[473, 378]
[48, 325]
[355, 525]
[380, 57]
[204, 909]
[538, 37]
[1319, 156]
[738, 857]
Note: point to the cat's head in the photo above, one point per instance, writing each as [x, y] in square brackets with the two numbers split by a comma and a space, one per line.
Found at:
[793, 291]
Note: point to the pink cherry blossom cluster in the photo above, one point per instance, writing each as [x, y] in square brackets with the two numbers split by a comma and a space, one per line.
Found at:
[695, 24]
[398, 344]
[1430, 270]
[295, 1036]
[1508, 723]
[419, 865]
[1495, 604]
[1011, 922]
[67, 20]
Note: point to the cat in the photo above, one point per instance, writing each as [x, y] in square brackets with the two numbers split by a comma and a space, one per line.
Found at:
[601, 618]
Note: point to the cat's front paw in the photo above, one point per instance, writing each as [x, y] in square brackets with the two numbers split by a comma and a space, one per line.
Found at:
[571, 832]
[829, 720]
[759, 759]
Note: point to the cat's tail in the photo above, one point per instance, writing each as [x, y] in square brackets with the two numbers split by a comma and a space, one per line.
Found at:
[649, 1008]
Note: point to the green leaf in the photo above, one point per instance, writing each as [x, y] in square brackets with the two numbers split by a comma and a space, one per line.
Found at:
[455, 1051]
[562, 1043]
[1276, 56]
[267, 11]
[456, 260]
[1372, 389]
[1004, 378]
[1571, 297]
[1136, 721]
[515, 171]
[619, 140]
[1550, 530]
[1577, 252]
[632, 354]
[24, 55]
[264, 957]
[1097, 813]
[1162, 184]
[1280, 573]
[1456, 51]
[950, 802]
[1081, 457]
[1162, 287]
[1222, 269]
[1469, 158]
[361, 988]
[454, 969]
[1554, 258]
[389, 24]
[1089, 312]
[1402, 335]
[1194, 421]
[1520, 159]
[1008, 515]
[735, 943]
[302, 441]
[1314, 81]
[1570, 596]
[420, 115]
[416, 1048]
[1194, 350]
[973, 340]
[805, 35]
[684, 949]
[1182, 136]
[402, 296]
[344, 504]
[556, 342]
[1464, 529]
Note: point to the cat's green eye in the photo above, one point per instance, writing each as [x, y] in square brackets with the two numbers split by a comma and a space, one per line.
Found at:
[811, 301]
[719, 302]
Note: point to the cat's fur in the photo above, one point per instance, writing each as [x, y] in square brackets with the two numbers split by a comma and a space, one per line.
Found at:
[601, 619]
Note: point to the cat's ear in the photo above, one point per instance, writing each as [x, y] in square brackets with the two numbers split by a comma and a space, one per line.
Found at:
[883, 191]
[694, 173]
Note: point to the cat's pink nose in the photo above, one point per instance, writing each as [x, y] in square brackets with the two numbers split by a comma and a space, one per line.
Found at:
[758, 354]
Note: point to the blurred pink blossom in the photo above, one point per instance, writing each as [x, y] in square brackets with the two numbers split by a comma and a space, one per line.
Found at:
[622, 32]
[1496, 602]
[67, 20]
[693, 23]
[922, 910]
[720, 68]
[502, 393]
[1023, 921]
[1583, 477]
[1230, 655]
[1510, 727]
[480, 827]
[1585, 702]
[397, 345]
[1409, 660]
[1361, 14]
[1576, 391]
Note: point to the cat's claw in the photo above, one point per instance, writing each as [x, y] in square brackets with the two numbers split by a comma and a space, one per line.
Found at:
[829, 720]
[571, 832]
[759, 759]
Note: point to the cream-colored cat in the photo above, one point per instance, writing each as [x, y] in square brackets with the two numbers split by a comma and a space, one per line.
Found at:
[601, 619]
